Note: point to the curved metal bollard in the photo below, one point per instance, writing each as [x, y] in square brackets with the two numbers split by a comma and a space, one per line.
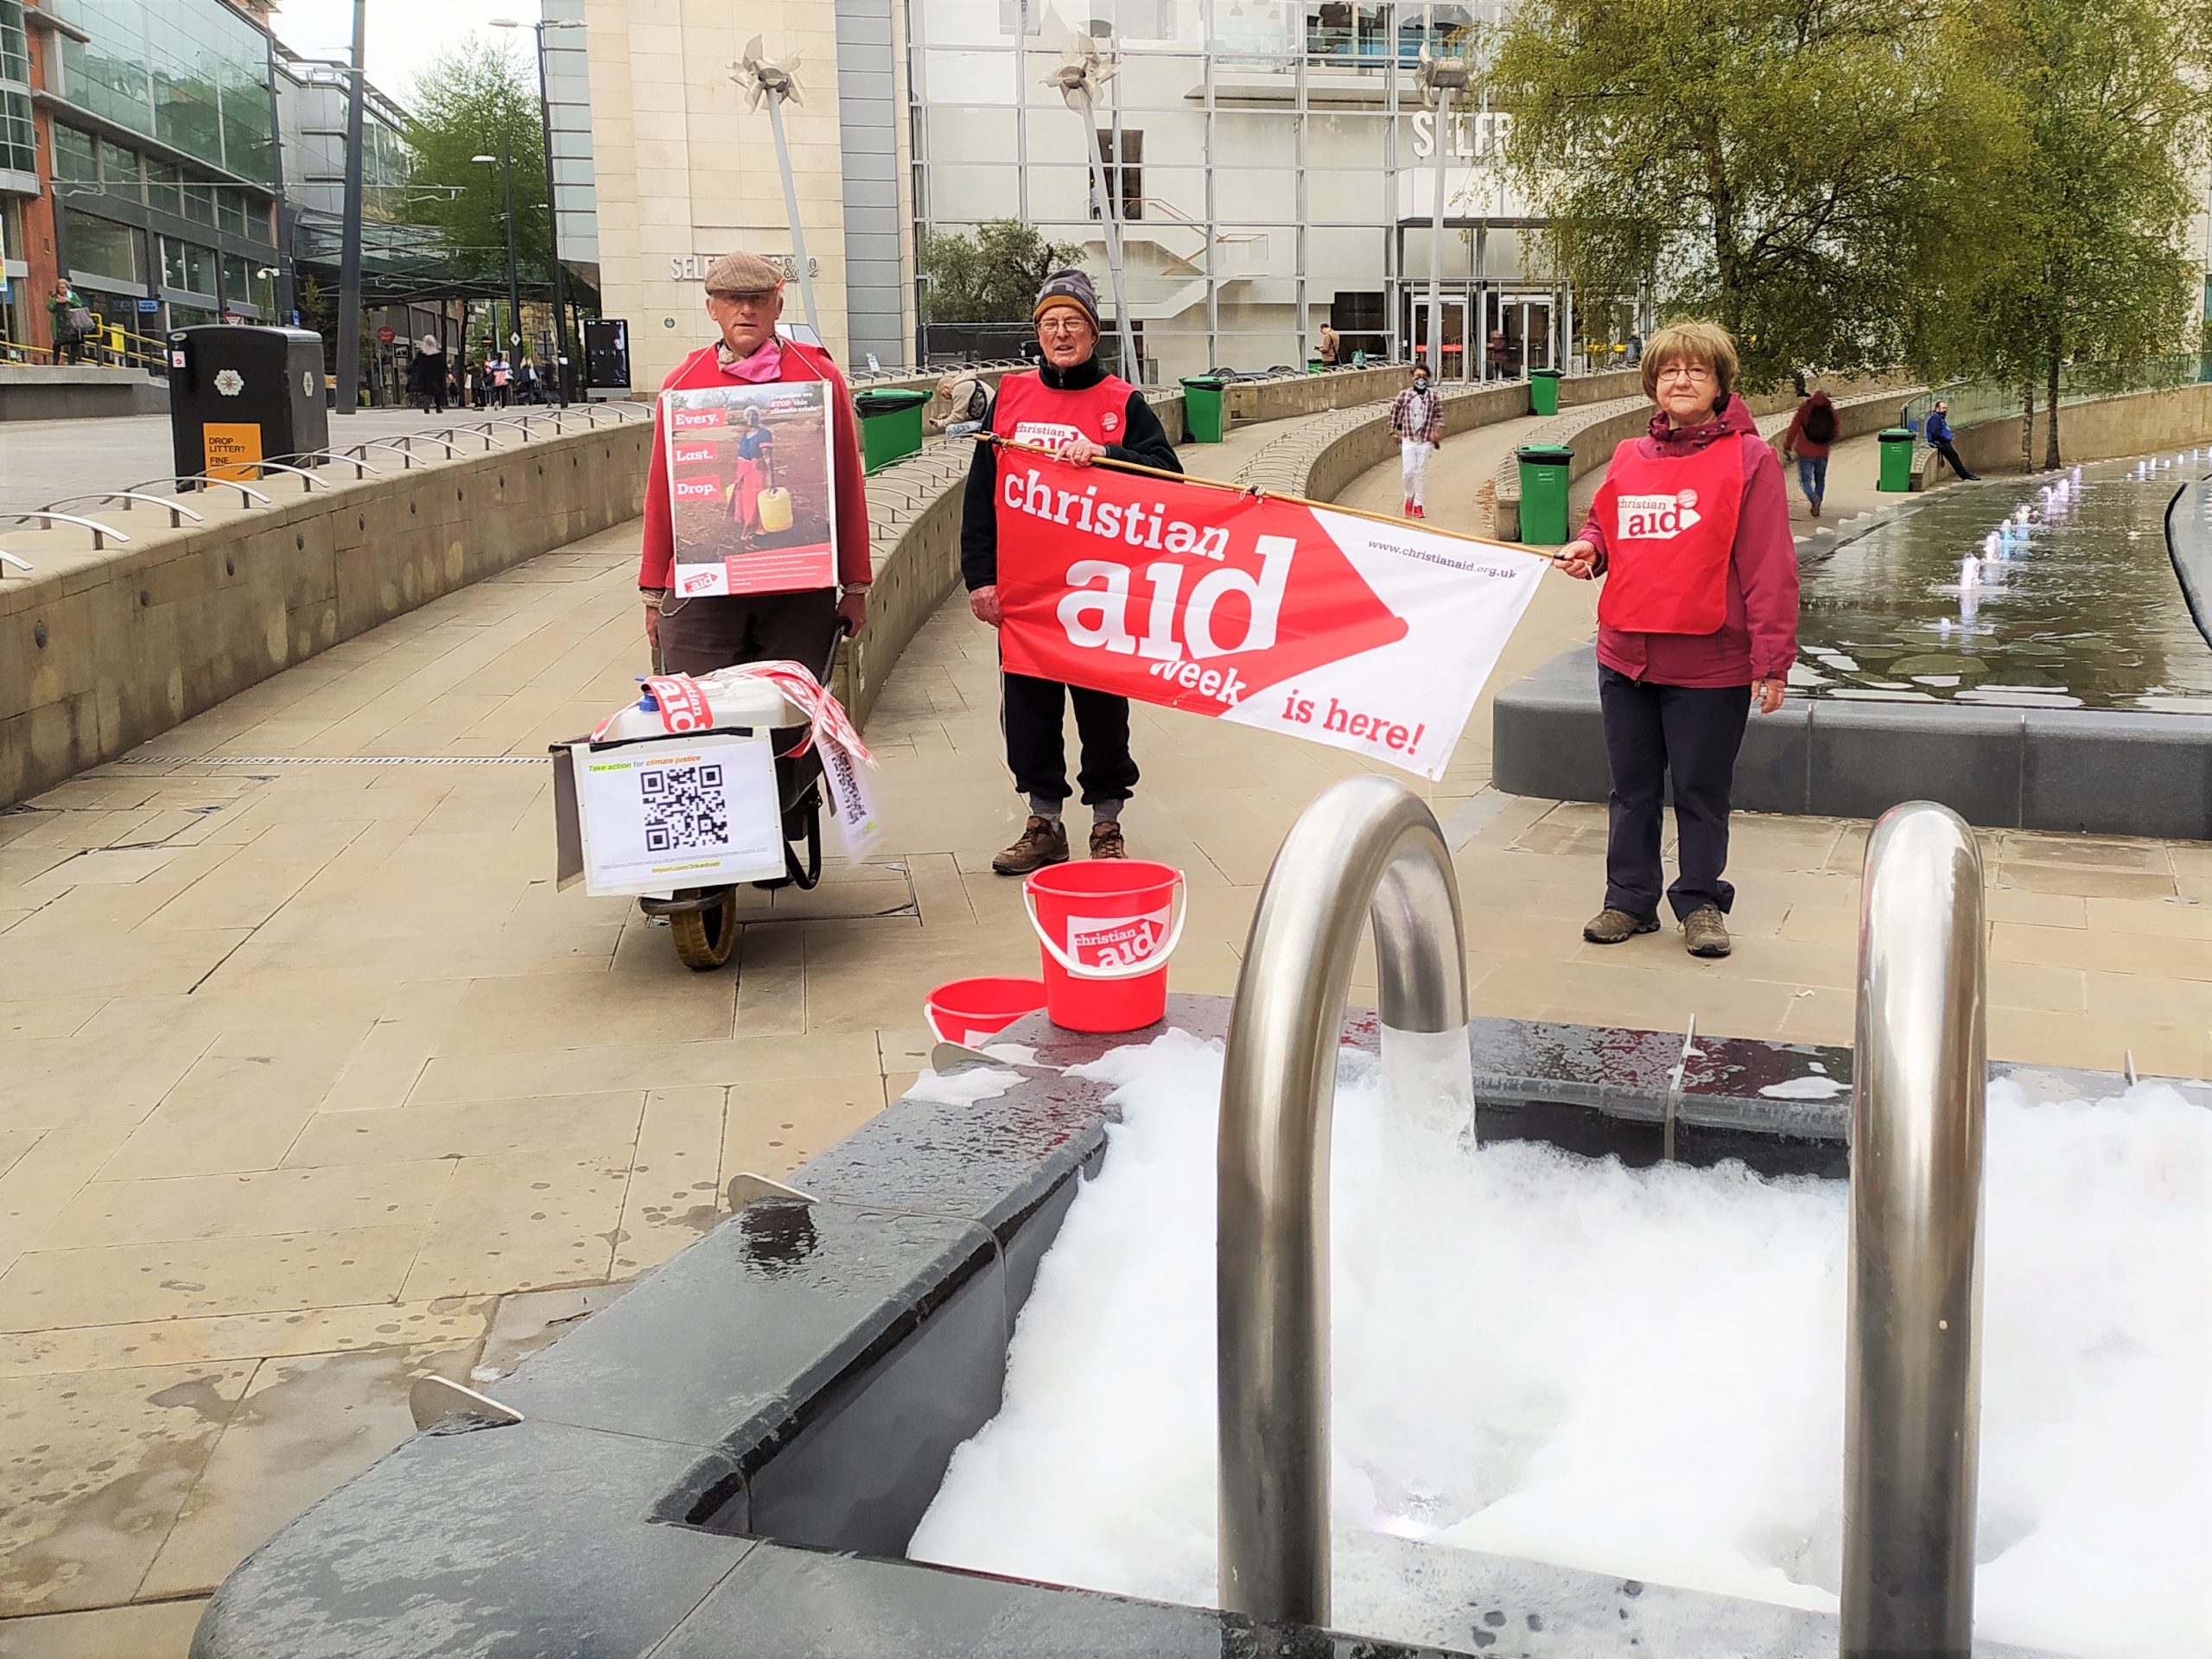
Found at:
[1912, 1380]
[1367, 849]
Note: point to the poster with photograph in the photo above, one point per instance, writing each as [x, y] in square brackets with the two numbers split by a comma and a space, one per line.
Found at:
[751, 491]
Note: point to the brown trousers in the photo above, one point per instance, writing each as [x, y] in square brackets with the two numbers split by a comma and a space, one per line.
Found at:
[699, 636]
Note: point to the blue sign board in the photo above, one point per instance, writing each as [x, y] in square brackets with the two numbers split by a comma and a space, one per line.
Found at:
[147, 307]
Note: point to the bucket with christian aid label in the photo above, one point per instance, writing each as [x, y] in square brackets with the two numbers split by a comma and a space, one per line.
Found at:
[1106, 927]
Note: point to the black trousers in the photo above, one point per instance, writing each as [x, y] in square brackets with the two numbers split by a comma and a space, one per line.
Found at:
[1032, 710]
[699, 636]
[1693, 732]
[1951, 454]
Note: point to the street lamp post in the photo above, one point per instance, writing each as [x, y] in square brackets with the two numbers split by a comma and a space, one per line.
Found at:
[1439, 78]
[514, 286]
[349, 256]
[552, 202]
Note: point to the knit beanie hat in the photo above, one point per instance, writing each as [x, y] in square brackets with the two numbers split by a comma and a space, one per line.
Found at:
[1070, 288]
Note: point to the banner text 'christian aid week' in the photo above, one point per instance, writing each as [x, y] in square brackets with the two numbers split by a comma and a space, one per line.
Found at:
[1363, 635]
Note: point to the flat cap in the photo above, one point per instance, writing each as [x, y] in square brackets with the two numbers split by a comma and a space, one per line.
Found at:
[744, 273]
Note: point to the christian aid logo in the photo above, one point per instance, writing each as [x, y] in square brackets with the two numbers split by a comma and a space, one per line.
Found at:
[1117, 941]
[714, 581]
[1658, 518]
[696, 489]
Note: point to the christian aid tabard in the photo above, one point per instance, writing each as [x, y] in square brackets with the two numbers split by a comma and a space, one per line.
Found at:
[1362, 634]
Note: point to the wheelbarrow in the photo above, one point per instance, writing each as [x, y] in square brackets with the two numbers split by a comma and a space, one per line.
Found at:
[702, 921]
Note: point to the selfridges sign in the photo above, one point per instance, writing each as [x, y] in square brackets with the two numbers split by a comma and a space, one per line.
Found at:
[1475, 183]
[693, 267]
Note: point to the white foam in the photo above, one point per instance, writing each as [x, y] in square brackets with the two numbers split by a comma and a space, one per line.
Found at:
[1814, 1088]
[1639, 1372]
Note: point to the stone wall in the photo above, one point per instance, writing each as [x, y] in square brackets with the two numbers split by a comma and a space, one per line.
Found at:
[33, 392]
[1594, 430]
[101, 650]
[2133, 423]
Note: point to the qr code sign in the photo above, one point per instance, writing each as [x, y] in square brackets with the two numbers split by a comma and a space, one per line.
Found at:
[685, 807]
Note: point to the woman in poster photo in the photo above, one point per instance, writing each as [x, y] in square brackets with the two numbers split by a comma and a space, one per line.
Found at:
[756, 473]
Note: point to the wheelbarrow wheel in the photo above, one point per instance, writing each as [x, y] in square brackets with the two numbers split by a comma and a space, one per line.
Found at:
[705, 938]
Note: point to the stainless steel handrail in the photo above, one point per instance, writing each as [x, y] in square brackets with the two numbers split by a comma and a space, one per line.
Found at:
[1367, 850]
[177, 511]
[1912, 1378]
[246, 491]
[100, 532]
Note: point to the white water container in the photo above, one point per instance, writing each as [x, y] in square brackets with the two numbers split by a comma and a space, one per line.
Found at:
[752, 702]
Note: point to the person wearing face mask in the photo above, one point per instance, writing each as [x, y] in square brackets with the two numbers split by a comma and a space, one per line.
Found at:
[1070, 404]
[745, 297]
[1417, 421]
[1697, 622]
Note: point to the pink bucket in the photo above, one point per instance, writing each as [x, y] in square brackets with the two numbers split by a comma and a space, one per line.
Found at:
[970, 1012]
[1106, 927]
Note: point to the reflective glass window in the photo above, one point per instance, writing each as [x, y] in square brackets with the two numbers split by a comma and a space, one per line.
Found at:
[18, 137]
[14, 48]
[100, 247]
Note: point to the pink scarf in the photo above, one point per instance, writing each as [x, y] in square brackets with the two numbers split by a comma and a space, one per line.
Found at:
[763, 365]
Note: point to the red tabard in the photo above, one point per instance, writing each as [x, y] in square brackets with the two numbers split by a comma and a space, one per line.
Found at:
[1029, 411]
[1670, 526]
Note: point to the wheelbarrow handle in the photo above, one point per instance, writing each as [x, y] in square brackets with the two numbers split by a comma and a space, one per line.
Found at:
[836, 642]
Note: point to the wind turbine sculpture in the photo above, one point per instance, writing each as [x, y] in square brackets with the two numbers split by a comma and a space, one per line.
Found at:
[1440, 77]
[1082, 70]
[764, 80]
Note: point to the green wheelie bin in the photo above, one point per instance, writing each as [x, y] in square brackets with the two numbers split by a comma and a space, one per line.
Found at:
[1896, 460]
[1543, 392]
[1202, 411]
[891, 424]
[1545, 471]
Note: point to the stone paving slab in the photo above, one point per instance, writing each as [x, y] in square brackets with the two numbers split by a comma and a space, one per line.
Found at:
[288, 1114]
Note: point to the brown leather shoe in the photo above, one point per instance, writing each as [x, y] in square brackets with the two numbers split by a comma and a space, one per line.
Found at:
[1706, 933]
[1610, 926]
[1106, 839]
[1044, 842]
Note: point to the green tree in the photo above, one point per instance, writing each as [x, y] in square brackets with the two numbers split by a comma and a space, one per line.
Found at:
[466, 104]
[2088, 270]
[1769, 163]
[991, 276]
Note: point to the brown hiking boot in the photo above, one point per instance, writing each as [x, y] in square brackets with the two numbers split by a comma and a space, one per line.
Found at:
[1044, 842]
[1704, 931]
[1610, 926]
[1106, 839]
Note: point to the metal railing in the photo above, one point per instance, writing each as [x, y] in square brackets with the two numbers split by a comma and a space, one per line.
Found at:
[1912, 1379]
[1368, 851]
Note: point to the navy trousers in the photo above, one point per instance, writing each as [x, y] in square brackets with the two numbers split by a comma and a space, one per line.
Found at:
[1693, 732]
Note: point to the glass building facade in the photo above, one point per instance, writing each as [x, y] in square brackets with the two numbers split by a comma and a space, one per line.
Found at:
[1272, 162]
[165, 161]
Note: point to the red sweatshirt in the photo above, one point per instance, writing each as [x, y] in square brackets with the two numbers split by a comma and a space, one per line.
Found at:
[1759, 639]
[800, 363]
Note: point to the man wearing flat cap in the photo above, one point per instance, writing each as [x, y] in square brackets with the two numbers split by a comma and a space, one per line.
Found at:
[745, 296]
[1070, 404]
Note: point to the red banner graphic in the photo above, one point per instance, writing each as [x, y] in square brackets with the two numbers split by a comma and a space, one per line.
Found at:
[1365, 635]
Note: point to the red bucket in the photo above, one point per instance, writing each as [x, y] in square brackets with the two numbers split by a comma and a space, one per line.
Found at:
[970, 1012]
[1106, 926]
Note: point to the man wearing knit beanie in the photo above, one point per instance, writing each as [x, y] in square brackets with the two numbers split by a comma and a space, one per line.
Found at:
[1072, 405]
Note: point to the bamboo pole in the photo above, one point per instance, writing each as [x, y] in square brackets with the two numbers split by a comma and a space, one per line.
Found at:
[1545, 554]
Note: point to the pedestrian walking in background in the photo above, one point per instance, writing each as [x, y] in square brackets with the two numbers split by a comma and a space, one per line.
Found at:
[426, 374]
[1070, 404]
[1811, 433]
[69, 321]
[473, 383]
[1698, 620]
[1417, 421]
[1332, 347]
[502, 380]
[1939, 438]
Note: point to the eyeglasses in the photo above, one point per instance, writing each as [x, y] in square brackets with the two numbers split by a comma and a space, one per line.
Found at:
[1684, 372]
[1062, 325]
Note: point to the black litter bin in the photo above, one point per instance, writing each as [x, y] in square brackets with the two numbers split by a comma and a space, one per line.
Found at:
[241, 395]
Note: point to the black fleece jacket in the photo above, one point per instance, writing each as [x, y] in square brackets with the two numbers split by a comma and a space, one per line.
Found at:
[1145, 442]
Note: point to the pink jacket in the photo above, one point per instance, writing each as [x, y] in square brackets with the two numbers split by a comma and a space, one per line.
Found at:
[1759, 639]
